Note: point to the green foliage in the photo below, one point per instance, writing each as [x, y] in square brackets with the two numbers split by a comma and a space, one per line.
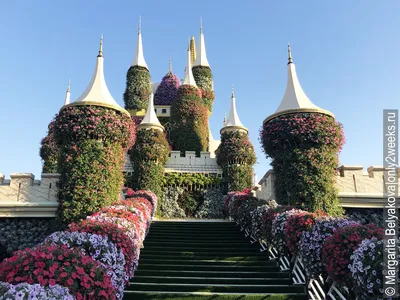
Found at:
[204, 81]
[91, 178]
[189, 121]
[148, 156]
[92, 142]
[304, 150]
[190, 179]
[49, 151]
[237, 177]
[236, 156]
[138, 88]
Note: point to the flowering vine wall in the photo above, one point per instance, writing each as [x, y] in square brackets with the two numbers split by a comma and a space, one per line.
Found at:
[92, 143]
[138, 88]
[204, 80]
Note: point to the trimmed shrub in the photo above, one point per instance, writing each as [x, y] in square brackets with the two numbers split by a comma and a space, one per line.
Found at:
[51, 265]
[138, 88]
[100, 249]
[304, 151]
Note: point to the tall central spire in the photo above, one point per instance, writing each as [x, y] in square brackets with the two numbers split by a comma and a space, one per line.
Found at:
[189, 79]
[193, 53]
[139, 57]
[201, 59]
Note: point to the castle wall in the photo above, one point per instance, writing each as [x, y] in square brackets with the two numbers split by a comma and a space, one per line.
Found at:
[23, 196]
[356, 189]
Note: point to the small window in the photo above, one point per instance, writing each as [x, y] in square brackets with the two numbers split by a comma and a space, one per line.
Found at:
[164, 111]
[155, 110]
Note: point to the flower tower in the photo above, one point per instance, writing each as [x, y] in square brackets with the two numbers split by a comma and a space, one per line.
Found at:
[189, 116]
[235, 154]
[150, 153]
[93, 133]
[303, 142]
[138, 82]
[202, 73]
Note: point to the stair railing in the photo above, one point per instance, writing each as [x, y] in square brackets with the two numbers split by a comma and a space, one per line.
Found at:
[319, 288]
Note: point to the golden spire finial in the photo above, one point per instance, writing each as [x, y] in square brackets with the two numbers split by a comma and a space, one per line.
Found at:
[233, 92]
[201, 25]
[193, 53]
[69, 86]
[101, 47]
[170, 65]
[289, 54]
[140, 24]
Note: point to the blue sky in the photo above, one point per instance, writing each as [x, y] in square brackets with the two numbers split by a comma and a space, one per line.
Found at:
[345, 53]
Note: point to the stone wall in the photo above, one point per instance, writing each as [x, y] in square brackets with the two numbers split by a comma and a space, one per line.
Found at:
[23, 196]
[356, 187]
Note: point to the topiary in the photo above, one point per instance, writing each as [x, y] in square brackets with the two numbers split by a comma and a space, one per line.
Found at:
[138, 88]
[204, 81]
[167, 91]
[189, 121]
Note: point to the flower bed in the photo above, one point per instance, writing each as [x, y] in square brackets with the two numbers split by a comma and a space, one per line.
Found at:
[350, 253]
[92, 259]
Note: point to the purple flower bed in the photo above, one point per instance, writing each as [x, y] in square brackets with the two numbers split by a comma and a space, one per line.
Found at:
[33, 291]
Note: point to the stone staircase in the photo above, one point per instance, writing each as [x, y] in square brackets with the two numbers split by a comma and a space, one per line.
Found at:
[207, 260]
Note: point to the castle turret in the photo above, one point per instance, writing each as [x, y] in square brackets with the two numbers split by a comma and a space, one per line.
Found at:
[309, 138]
[202, 72]
[138, 81]
[97, 92]
[189, 115]
[150, 153]
[236, 153]
[167, 90]
[92, 135]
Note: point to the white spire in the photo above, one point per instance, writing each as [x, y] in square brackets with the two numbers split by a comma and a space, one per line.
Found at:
[233, 123]
[139, 57]
[68, 94]
[201, 58]
[97, 92]
[150, 120]
[295, 99]
[189, 79]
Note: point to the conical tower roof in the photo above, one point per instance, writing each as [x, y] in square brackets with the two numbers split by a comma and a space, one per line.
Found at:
[150, 120]
[68, 94]
[139, 60]
[97, 92]
[189, 79]
[233, 122]
[294, 99]
[201, 58]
